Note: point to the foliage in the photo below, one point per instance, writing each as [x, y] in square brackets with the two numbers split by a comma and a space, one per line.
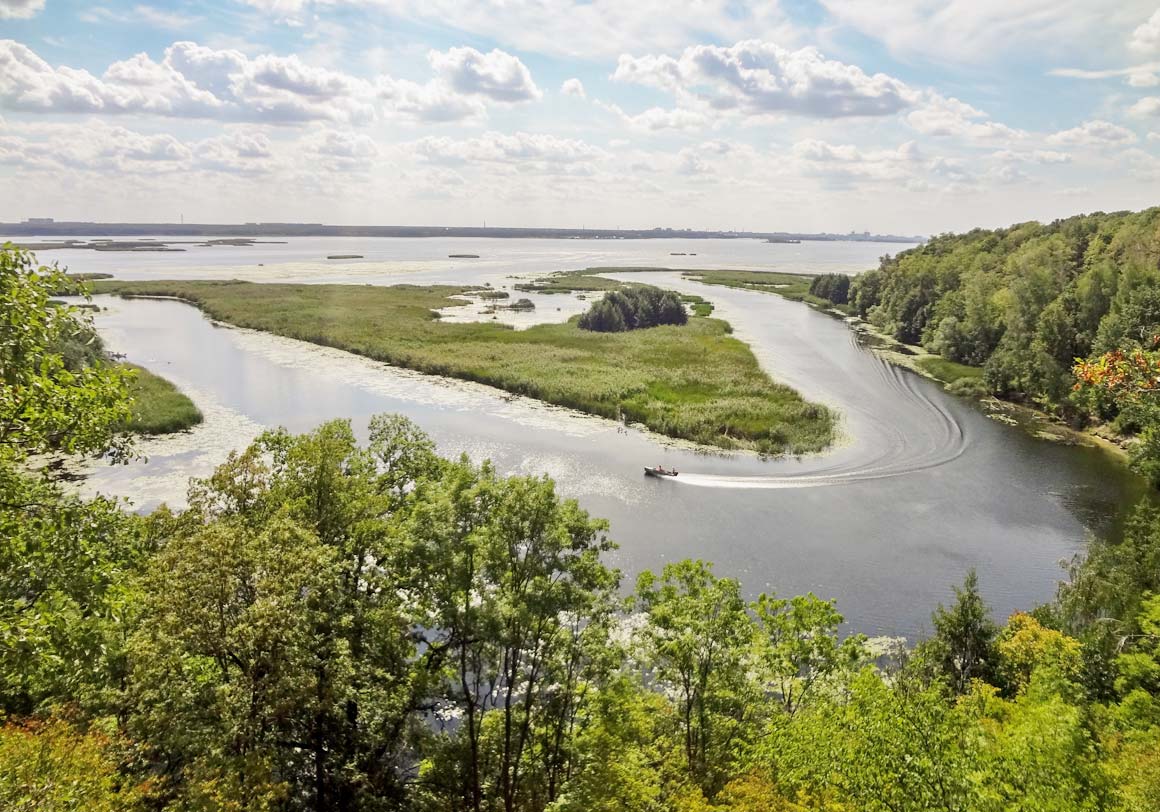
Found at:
[1130, 380]
[46, 407]
[52, 766]
[1025, 301]
[693, 382]
[633, 307]
[833, 287]
[963, 645]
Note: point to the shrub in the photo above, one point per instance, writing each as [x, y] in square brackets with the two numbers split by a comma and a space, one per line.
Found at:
[634, 308]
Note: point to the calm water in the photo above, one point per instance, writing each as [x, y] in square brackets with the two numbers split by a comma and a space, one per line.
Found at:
[922, 487]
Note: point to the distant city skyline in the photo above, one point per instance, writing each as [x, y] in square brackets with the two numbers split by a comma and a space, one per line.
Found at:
[798, 116]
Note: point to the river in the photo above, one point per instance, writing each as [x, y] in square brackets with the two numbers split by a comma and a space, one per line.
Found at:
[922, 487]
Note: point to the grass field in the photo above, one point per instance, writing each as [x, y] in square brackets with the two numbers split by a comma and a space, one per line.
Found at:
[795, 287]
[949, 371]
[159, 407]
[693, 382]
[587, 281]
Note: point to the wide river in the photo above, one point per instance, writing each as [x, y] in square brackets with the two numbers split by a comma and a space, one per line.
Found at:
[922, 487]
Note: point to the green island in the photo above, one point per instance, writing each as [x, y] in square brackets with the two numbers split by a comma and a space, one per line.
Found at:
[693, 382]
[158, 406]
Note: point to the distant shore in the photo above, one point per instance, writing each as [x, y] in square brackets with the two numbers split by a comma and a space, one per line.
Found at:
[87, 229]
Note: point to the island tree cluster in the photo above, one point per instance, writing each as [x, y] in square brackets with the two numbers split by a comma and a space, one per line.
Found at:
[332, 625]
[634, 307]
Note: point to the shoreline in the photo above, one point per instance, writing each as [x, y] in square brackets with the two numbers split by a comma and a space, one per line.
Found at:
[1034, 421]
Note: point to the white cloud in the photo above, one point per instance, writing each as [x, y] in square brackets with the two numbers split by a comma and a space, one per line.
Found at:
[756, 78]
[655, 119]
[1147, 106]
[586, 29]
[20, 9]
[573, 87]
[1144, 75]
[497, 74]
[98, 148]
[142, 14]
[943, 116]
[972, 31]
[1146, 38]
[1037, 156]
[195, 81]
[518, 148]
[1154, 136]
[843, 164]
[1094, 133]
[278, 8]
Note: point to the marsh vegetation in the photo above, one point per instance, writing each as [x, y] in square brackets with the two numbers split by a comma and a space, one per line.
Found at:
[693, 382]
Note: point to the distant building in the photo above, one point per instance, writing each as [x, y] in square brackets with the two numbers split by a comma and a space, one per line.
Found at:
[40, 221]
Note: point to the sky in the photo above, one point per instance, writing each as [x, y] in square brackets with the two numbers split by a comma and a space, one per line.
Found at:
[889, 116]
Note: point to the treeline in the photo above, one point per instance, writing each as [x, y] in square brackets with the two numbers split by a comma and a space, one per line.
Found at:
[833, 287]
[634, 307]
[1024, 302]
[332, 625]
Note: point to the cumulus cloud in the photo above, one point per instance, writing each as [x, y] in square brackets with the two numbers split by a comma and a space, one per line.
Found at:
[943, 116]
[1093, 133]
[573, 87]
[99, 148]
[655, 119]
[756, 77]
[195, 81]
[846, 163]
[1146, 38]
[20, 9]
[497, 74]
[1148, 106]
[498, 148]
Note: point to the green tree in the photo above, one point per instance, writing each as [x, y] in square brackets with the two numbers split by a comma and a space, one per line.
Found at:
[963, 645]
[799, 647]
[46, 407]
[698, 642]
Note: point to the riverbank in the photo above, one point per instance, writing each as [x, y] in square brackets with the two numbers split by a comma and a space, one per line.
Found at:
[693, 382]
[958, 379]
[158, 406]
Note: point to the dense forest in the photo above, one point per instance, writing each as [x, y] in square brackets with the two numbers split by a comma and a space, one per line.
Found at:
[337, 626]
[1027, 302]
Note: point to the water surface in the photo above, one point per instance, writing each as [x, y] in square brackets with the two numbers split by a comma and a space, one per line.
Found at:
[922, 487]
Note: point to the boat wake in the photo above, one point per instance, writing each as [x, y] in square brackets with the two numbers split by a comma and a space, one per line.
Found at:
[920, 434]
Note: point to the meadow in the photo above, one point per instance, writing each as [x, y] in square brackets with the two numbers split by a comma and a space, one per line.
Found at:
[158, 406]
[694, 382]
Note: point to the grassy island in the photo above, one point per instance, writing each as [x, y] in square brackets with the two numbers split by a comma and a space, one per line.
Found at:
[692, 382]
[159, 407]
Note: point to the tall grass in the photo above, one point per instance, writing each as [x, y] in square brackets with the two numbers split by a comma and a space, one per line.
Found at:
[795, 287]
[158, 406]
[693, 382]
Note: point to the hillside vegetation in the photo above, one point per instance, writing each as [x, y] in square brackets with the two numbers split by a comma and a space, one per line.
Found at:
[1024, 302]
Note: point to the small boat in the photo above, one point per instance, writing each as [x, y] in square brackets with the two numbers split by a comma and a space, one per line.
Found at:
[659, 471]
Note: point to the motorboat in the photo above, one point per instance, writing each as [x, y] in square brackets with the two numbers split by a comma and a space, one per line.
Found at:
[659, 470]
